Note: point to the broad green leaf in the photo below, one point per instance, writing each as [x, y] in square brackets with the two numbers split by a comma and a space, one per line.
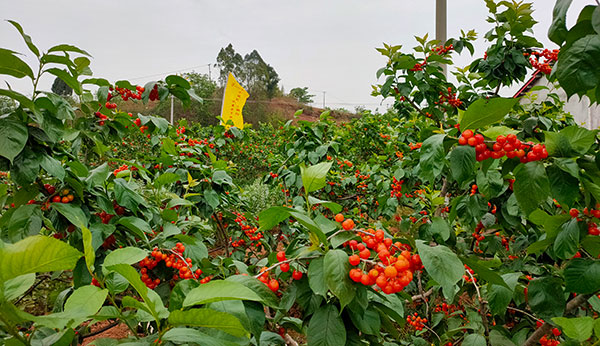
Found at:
[596, 20]
[531, 186]
[440, 227]
[579, 328]
[314, 177]
[208, 318]
[177, 80]
[221, 177]
[165, 179]
[71, 81]
[577, 68]
[82, 304]
[53, 167]
[564, 187]
[192, 336]
[13, 288]
[495, 131]
[558, 29]
[567, 240]
[335, 271]
[138, 226]
[582, 276]
[326, 328]
[127, 255]
[442, 264]
[269, 218]
[152, 301]
[500, 296]
[267, 296]
[570, 141]
[334, 207]
[218, 290]
[474, 340]
[73, 213]
[23, 100]
[432, 157]
[88, 249]
[36, 254]
[462, 163]
[481, 268]
[484, 112]
[546, 297]
[368, 322]
[12, 65]
[316, 277]
[13, 136]
[126, 196]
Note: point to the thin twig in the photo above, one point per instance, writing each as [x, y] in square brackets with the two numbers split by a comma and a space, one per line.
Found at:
[289, 341]
[31, 289]
[482, 310]
[280, 263]
[523, 312]
[422, 293]
[431, 330]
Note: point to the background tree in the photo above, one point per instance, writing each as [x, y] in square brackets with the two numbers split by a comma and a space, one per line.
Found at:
[61, 88]
[302, 95]
[7, 105]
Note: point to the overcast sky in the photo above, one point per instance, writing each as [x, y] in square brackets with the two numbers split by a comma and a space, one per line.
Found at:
[326, 45]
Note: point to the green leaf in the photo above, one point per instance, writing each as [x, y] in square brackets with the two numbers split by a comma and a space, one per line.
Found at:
[83, 303]
[208, 318]
[127, 255]
[579, 328]
[334, 207]
[567, 240]
[474, 340]
[12, 65]
[484, 112]
[26, 38]
[177, 80]
[267, 296]
[596, 20]
[442, 264]
[88, 250]
[165, 179]
[564, 187]
[13, 137]
[126, 196]
[221, 177]
[481, 268]
[192, 336]
[462, 163]
[326, 328]
[432, 157]
[558, 29]
[73, 213]
[14, 288]
[570, 141]
[316, 277]
[139, 227]
[546, 297]
[440, 227]
[531, 186]
[36, 254]
[500, 296]
[582, 276]
[495, 131]
[335, 270]
[314, 177]
[71, 81]
[577, 66]
[152, 302]
[52, 166]
[68, 48]
[271, 217]
[218, 290]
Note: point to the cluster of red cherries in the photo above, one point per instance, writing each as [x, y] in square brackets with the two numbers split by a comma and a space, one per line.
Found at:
[284, 265]
[549, 56]
[250, 231]
[588, 214]
[124, 168]
[544, 340]
[508, 146]
[449, 98]
[391, 273]
[416, 321]
[396, 188]
[174, 259]
[127, 94]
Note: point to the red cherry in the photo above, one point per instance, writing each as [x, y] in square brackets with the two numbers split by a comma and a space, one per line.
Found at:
[467, 134]
[297, 275]
[281, 256]
[574, 212]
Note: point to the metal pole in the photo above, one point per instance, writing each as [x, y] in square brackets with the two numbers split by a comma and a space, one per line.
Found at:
[441, 14]
[324, 99]
[171, 109]
[209, 75]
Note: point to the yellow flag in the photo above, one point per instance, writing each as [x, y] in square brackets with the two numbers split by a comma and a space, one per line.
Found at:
[234, 99]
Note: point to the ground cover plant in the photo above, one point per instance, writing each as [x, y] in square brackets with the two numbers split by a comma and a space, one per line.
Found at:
[458, 217]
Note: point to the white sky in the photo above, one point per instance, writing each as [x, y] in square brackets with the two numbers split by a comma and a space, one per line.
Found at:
[326, 45]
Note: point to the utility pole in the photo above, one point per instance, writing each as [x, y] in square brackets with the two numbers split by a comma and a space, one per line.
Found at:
[209, 75]
[171, 109]
[324, 99]
[441, 15]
